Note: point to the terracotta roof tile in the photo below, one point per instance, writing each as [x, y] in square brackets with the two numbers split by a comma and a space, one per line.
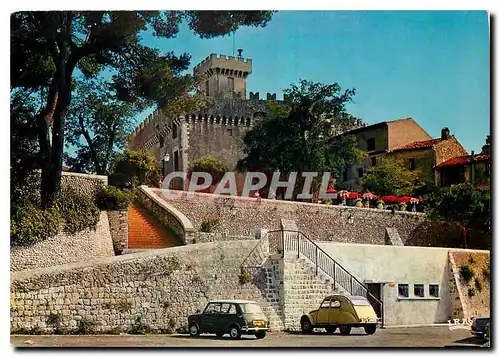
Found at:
[418, 145]
[462, 160]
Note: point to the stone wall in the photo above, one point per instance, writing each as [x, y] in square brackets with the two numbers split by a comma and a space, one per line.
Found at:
[243, 215]
[65, 248]
[202, 237]
[477, 304]
[160, 287]
[118, 224]
[168, 215]
[87, 184]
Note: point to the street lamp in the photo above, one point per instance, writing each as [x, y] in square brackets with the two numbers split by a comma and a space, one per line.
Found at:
[166, 158]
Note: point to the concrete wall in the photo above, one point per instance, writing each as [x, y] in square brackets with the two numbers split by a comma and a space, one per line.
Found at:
[405, 131]
[392, 265]
[424, 160]
[65, 248]
[243, 215]
[161, 287]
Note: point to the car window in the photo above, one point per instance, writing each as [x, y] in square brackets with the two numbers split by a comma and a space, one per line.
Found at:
[335, 304]
[217, 308]
[210, 309]
[232, 309]
[225, 308]
[325, 304]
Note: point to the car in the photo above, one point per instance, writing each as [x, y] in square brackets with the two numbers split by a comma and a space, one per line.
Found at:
[343, 312]
[479, 325]
[234, 317]
[487, 332]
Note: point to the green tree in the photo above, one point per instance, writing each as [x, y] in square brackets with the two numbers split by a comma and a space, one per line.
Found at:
[462, 203]
[102, 121]
[301, 136]
[135, 168]
[212, 165]
[48, 47]
[391, 177]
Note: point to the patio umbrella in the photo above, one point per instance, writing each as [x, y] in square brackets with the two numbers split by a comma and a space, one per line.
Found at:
[405, 199]
[369, 196]
[390, 199]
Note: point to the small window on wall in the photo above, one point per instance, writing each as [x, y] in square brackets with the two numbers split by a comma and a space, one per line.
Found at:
[374, 161]
[403, 290]
[418, 290]
[174, 131]
[434, 290]
[361, 171]
[411, 164]
[370, 144]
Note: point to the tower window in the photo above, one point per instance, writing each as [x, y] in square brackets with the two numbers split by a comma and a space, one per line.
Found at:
[230, 84]
[176, 160]
[361, 171]
[207, 88]
[411, 164]
[370, 144]
[174, 131]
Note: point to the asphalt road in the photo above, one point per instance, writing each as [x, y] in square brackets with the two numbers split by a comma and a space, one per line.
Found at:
[391, 337]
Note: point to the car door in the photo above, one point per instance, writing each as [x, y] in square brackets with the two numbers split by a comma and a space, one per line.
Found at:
[209, 317]
[227, 317]
[323, 312]
[334, 311]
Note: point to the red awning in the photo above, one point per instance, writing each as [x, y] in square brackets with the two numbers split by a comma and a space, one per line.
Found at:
[370, 196]
[388, 199]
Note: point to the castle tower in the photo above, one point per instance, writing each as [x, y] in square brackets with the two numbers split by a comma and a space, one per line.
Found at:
[224, 76]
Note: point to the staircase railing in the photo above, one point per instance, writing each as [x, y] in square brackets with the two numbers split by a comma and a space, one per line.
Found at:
[299, 243]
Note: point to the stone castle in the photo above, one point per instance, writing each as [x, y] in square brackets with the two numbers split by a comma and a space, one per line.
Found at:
[216, 130]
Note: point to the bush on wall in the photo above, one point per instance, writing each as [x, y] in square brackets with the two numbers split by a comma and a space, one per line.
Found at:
[30, 224]
[112, 198]
[78, 210]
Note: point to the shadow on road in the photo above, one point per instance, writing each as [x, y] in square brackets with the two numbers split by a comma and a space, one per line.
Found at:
[212, 337]
[323, 333]
[470, 341]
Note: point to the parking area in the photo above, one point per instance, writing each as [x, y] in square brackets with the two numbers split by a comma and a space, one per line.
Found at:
[391, 337]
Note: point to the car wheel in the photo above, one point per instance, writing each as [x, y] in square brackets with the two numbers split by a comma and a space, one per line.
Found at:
[345, 329]
[370, 329]
[330, 329]
[260, 334]
[193, 330]
[305, 325]
[234, 332]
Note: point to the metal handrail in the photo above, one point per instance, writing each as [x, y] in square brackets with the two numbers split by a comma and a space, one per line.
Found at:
[330, 264]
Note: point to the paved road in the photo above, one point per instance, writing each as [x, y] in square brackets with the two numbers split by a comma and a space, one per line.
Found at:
[391, 337]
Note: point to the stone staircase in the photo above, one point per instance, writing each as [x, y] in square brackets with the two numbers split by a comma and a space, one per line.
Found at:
[308, 266]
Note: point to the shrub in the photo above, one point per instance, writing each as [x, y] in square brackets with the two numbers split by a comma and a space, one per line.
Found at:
[471, 260]
[139, 328]
[85, 327]
[471, 292]
[211, 165]
[478, 284]
[79, 211]
[486, 272]
[30, 224]
[112, 198]
[467, 273]
[245, 277]
[209, 225]
[327, 201]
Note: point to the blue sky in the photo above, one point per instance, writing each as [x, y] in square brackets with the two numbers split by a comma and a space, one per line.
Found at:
[433, 66]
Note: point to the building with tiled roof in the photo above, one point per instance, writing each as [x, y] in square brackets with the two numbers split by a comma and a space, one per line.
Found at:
[472, 168]
[406, 140]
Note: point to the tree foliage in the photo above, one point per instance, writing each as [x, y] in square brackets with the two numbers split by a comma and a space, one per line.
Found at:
[48, 47]
[98, 125]
[135, 168]
[391, 177]
[462, 203]
[300, 136]
[211, 165]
